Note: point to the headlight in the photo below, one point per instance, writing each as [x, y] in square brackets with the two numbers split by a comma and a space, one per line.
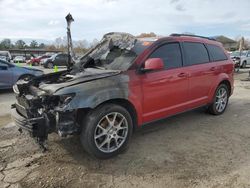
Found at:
[15, 89]
[65, 99]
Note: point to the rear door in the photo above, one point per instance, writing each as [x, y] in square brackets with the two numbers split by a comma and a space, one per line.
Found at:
[58, 60]
[165, 92]
[202, 72]
[64, 60]
[61, 60]
[6, 75]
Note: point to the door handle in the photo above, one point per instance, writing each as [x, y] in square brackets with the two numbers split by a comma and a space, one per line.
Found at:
[212, 69]
[183, 74]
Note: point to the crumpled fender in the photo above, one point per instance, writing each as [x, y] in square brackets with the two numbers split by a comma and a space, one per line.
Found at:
[91, 94]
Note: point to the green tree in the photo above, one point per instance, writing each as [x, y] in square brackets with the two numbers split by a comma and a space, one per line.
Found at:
[33, 44]
[42, 45]
[6, 44]
[20, 44]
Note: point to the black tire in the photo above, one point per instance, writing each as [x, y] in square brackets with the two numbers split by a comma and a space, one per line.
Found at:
[50, 65]
[212, 109]
[244, 65]
[90, 126]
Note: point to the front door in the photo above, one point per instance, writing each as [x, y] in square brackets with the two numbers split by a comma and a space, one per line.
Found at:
[6, 75]
[165, 92]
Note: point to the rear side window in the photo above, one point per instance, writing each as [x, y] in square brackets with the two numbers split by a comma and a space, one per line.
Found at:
[170, 54]
[216, 53]
[195, 53]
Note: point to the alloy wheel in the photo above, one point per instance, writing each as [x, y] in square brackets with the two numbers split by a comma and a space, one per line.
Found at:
[111, 132]
[221, 99]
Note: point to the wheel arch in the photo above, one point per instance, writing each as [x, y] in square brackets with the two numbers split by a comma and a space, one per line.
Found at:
[118, 101]
[24, 75]
[228, 84]
[223, 78]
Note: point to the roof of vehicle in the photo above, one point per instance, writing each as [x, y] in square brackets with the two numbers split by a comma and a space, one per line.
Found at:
[181, 37]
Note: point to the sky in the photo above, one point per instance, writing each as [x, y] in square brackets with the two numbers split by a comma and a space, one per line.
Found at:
[45, 19]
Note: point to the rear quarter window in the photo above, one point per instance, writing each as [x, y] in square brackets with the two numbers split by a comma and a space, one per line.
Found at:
[195, 53]
[216, 53]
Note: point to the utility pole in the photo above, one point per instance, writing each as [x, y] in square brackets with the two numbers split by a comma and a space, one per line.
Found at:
[69, 20]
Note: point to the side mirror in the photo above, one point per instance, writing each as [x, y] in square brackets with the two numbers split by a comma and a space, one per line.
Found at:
[153, 64]
[3, 67]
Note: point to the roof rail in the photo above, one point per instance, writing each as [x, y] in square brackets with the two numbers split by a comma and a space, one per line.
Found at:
[190, 35]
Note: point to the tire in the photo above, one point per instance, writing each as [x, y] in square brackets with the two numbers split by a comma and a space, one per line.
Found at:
[220, 100]
[100, 138]
[50, 65]
[244, 65]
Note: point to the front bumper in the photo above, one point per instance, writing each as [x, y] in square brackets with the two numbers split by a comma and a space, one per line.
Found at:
[37, 127]
[236, 63]
[62, 122]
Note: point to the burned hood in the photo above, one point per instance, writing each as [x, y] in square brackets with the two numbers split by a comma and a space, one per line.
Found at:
[89, 74]
[110, 40]
[122, 41]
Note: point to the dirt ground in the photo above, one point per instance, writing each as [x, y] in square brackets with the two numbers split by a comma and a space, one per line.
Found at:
[193, 149]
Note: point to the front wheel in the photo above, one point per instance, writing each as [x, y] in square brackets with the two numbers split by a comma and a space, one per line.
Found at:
[106, 131]
[220, 100]
[50, 65]
[244, 65]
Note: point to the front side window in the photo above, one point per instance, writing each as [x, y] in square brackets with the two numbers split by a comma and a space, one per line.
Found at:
[4, 63]
[216, 53]
[59, 56]
[170, 54]
[195, 53]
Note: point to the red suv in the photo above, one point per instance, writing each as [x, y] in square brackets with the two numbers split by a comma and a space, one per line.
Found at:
[124, 83]
[37, 60]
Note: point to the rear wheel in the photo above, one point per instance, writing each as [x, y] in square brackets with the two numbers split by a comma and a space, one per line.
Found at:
[220, 100]
[106, 131]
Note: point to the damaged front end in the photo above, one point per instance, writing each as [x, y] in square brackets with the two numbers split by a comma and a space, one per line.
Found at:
[50, 103]
[41, 113]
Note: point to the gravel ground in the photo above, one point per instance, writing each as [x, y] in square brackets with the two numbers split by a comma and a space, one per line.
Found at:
[193, 149]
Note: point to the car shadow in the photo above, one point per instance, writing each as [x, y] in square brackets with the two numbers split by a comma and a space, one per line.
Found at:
[156, 146]
[187, 146]
[4, 91]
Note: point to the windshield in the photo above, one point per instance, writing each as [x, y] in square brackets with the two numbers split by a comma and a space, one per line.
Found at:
[53, 56]
[3, 53]
[3, 57]
[111, 56]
